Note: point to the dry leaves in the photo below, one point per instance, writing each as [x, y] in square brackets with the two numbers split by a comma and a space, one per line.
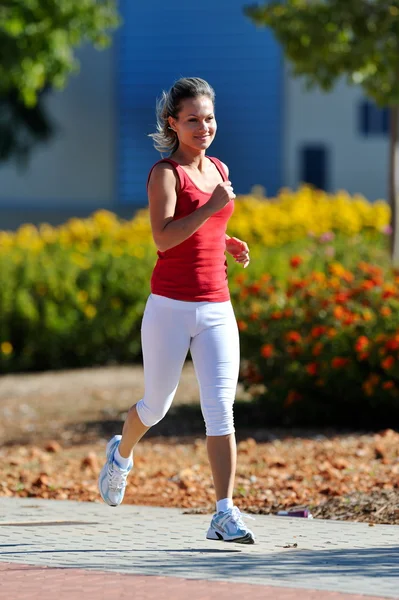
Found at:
[343, 477]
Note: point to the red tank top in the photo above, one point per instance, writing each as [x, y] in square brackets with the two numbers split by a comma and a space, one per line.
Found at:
[196, 269]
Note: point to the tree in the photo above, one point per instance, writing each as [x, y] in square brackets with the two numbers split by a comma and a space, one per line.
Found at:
[357, 40]
[38, 39]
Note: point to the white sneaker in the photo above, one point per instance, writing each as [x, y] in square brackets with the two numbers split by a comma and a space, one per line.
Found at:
[229, 526]
[112, 479]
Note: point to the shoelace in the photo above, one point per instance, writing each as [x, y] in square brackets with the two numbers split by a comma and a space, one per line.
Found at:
[116, 478]
[237, 517]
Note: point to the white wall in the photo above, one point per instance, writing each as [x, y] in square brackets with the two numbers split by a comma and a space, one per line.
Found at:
[357, 163]
[77, 168]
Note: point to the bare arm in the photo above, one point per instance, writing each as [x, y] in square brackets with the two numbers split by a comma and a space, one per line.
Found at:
[162, 197]
[226, 168]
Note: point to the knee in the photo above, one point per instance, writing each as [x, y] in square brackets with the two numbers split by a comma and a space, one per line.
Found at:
[150, 415]
[219, 420]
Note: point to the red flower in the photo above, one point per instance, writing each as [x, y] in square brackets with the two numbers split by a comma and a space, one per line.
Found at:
[388, 293]
[338, 362]
[296, 261]
[293, 336]
[254, 289]
[267, 350]
[388, 385]
[392, 345]
[318, 348]
[318, 331]
[362, 343]
[312, 368]
[341, 297]
[388, 363]
[367, 285]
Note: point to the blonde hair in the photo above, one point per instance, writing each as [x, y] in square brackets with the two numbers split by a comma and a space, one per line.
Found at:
[169, 105]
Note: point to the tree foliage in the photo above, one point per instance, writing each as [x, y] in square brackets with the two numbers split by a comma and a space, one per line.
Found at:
[356, 40]
[38, 40]
[329, 39]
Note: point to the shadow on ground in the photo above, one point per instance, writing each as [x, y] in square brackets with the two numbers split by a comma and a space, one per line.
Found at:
[186, 421]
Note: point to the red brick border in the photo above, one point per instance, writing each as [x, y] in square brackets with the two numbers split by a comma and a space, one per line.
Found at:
[29, 582]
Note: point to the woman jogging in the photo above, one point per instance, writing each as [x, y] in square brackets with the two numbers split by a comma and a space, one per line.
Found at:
[190, 201]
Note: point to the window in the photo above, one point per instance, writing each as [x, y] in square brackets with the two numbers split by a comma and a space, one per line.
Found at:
[313, 166]
[372, 119]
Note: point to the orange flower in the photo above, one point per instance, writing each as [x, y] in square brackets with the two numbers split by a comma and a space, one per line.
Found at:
[278, 314]
[293, 336]
[242, 326]
[350, 318]
[388, 363]
[348, 277]
[240, 278]
[338, 312]
[367, 315]
[293, 396]
[335, 283]
[296, 261]
[337, 269]
[389, 291]
[367, 285]
[255, 288]
[312, 368]
[368, 388]
[338, 362]
[332, 332]
[267, 350]
[341, 297]
[362, 343]
[363, 266]
[318, 276]
[386, 311]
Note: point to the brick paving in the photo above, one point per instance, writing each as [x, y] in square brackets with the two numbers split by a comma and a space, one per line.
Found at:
[23, 582]
[74, 550]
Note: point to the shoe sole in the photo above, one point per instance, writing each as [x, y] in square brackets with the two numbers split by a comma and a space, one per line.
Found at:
[216, 536]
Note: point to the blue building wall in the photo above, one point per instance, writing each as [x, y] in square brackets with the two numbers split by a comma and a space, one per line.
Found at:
[163, 41]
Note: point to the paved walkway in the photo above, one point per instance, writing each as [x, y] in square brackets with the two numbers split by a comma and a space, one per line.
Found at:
[62, 549]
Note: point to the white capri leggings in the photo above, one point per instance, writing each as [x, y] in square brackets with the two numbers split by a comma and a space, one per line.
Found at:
[209, 329]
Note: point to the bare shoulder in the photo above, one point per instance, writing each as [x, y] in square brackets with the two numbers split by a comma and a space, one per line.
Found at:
[163, 175]
[225, 167]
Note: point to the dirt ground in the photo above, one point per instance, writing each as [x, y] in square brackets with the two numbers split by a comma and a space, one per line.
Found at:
[54, 427]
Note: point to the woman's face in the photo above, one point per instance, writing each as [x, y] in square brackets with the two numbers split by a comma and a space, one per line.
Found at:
[195, 125]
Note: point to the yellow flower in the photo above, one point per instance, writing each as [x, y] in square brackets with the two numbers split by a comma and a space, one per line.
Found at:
[90, 311]
[6, 348]
[82, 296]
[337, 269]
